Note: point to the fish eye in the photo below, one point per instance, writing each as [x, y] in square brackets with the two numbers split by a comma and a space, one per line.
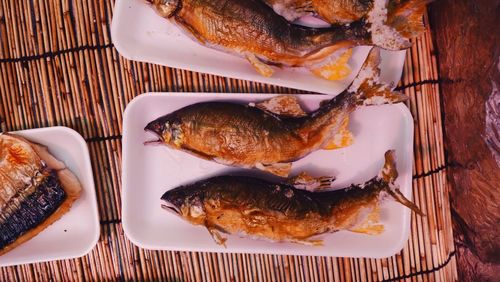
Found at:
[166, 8]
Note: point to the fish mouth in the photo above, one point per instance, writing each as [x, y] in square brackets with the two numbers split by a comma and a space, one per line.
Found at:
[153, 142]
[154, 128]
[171, 208]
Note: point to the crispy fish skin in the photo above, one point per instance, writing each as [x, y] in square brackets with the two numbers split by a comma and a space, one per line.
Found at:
[33, 208]
[252, 136]
[251, 29]
[279, 211]
[35, 190]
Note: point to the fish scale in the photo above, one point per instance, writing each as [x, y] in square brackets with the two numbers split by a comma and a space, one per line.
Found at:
[32, 210]
[251, 29]
[284, 213]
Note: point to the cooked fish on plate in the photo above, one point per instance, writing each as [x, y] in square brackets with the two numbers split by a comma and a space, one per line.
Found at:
[348, 11]
[251, 29]
[36, 190]
[272, 134]
[281, 212]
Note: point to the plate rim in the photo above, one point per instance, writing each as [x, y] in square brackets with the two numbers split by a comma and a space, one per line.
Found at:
[118, 39]
[91, 190]
[396, 247]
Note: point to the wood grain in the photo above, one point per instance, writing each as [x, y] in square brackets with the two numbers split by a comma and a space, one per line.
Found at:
[468, 44]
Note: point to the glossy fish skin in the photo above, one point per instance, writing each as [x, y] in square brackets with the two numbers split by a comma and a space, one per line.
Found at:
[279, 211]
[251, 26]
[246, 136]
[253, 30]
[254, 137]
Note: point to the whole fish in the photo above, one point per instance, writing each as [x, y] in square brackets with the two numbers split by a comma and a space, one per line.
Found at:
[272, 134]
[281, 212]
[35, 190]
[251, 29]
[348, 11]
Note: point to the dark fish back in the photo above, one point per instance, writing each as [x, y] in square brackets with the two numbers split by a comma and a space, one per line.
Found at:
[30, 211]
[262, 195]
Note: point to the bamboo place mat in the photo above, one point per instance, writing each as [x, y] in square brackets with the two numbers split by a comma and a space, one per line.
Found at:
[59, 67]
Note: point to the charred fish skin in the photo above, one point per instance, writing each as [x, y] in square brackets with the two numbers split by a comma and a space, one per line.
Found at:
[36, 189]
[270, 135]
[253, 30]
[281, 212]
[32, 210]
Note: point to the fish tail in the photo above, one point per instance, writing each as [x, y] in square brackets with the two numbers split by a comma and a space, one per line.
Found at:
[388, 174]
[392, 25]
[367, 87]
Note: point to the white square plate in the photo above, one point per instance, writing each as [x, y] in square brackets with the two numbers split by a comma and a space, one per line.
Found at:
[138, 33]
[149, 171]
[76, 232]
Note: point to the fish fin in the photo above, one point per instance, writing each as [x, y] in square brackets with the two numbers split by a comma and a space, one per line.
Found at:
[216, 235]
[368, 88]
[307, 242]
[307, 182]
[342, 138]
[259, 66]
[334, 68]
[392, 30]
[388, 174]
[370, 224]
[398, 196]
[279, 169]
[407, 17]
[284, 105]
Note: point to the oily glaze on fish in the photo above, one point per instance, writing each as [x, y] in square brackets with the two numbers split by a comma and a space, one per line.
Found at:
[272, 134]
[35, 190]
[347, 11]
[281, 212]
[251, 29]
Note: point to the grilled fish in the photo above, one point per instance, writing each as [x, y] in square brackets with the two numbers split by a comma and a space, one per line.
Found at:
[281, 212]
[348, 11]
[35, 190]
[251, 29]
[272, 134]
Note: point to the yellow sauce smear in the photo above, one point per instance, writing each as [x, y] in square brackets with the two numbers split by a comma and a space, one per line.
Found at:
[335, 69]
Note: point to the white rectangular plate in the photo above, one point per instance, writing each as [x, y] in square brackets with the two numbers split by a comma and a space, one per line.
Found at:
[138, 33]
[149, 171]
[77, 232]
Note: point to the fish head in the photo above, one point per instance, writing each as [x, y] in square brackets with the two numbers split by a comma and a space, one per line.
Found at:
[165, 8]
[168, 129]
[186, 202]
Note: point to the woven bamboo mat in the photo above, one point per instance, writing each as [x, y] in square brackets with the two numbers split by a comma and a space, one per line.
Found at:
[58, 67]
